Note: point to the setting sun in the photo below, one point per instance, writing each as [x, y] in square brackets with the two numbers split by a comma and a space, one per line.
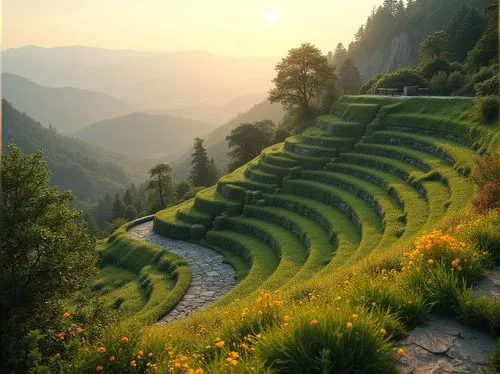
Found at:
[272, 16]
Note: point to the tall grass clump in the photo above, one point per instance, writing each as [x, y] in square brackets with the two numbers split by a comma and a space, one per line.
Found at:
[330, 341]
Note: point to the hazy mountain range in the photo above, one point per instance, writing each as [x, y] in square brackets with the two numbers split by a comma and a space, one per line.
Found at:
[126, 110]
[65, 108]
[150, 80]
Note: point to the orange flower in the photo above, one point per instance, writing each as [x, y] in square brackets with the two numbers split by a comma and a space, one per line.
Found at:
[382, 331]
[112, 358]
[61, 335]
[99, 368]
[349, 325]
[400, 352]
[455, 262]
[101, 350]
[78, 330]
[459, 268]
[430, 261]
[66, 315]
[124, 339]
[133, 363]
[219, 343]
[314, 322]
[199, 371]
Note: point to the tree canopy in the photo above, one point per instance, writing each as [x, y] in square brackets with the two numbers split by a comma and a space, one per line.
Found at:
[46, 252]
[247, 141]
[161, 183]
[302, 75]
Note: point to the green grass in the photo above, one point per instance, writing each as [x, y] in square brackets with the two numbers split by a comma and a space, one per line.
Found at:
[260, 258]
[461, 158]
[415, 207]
[312, 236]
[361, 214]
[360, 112]
[328, 235]
[142, 281]
[292, 254]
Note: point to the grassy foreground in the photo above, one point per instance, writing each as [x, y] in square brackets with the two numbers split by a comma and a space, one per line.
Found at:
[349, 235]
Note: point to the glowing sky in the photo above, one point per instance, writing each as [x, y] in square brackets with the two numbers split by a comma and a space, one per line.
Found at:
[226, 27]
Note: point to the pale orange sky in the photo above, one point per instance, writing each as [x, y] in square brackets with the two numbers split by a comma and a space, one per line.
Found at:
[226, 27]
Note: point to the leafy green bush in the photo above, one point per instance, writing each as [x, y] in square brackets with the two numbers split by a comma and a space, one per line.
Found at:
[487, 87]
[399, 79]
[456, 81]
[439, 84]
[432, 67]
[486, 108]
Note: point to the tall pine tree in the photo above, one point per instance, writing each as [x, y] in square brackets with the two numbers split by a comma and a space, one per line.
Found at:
[203, 172]
[349, 78]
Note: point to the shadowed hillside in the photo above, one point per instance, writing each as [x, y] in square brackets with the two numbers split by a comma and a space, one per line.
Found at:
[86, 170]
[67, 109]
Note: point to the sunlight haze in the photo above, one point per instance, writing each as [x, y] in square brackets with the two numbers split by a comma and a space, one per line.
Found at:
[233, 28]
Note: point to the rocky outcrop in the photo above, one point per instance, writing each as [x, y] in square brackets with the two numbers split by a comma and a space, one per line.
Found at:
[443, 345]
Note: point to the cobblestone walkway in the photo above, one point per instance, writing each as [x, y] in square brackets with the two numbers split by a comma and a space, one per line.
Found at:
[210, 277]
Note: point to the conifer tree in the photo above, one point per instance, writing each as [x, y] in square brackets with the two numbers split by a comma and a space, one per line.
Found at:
[201, 171]
[349, 78]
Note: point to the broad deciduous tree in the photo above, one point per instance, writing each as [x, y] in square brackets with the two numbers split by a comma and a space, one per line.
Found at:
[247, 141]
[302, 75]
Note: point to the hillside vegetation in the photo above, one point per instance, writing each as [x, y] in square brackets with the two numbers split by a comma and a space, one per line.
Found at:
[337, 232]
[66, 108]
[86, 170]
[216, 143]
[391, 36]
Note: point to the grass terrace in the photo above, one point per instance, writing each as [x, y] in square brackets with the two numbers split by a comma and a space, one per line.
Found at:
[338, 213]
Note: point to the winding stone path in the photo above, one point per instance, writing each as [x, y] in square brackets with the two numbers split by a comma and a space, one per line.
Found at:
[210, 277]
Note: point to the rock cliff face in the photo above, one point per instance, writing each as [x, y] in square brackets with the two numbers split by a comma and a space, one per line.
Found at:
[400, 44]
[401, 51]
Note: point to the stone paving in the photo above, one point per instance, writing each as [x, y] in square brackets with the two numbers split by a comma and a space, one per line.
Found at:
[210, 277]
[443, 345]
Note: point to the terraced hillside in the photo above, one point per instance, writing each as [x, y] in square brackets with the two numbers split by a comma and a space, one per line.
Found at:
[359, 184]
[324, 217]
[362, 181]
